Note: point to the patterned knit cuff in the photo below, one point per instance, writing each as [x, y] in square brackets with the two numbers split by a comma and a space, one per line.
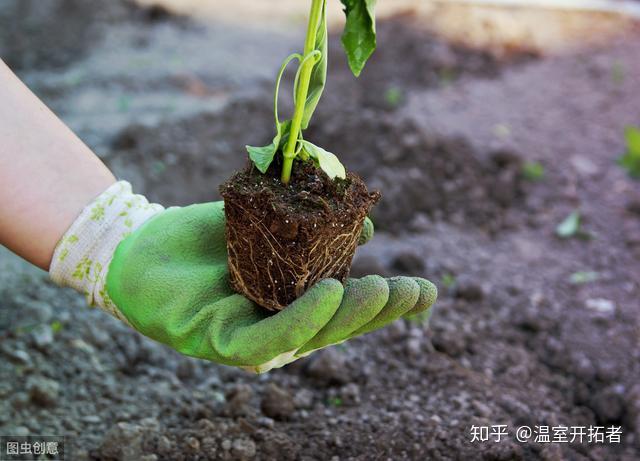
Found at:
[82, 257]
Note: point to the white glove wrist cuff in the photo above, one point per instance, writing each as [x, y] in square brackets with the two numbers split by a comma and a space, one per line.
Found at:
[82, 257]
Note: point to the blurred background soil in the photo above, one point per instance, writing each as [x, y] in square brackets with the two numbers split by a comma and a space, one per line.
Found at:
[482, 138]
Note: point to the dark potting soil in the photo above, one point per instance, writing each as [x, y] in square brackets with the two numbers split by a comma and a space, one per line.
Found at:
[284, 238]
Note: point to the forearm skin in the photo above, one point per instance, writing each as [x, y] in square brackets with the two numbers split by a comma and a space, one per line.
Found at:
[47, 174]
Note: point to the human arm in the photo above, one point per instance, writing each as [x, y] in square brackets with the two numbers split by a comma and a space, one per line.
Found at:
[47, 174]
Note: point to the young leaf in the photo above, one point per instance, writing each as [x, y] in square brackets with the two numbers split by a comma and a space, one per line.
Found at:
[448, 280]
[319, 73]
[630, 161]
[263, 156]
[359, 37]
[570, 226]
[582, 277]
[533, 171]
[394, 96]
[327, 161]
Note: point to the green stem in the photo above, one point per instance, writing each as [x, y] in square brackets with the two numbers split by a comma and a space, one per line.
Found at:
[302, 90]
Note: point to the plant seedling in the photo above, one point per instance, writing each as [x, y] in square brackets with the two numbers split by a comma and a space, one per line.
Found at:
[582, 277]
[295, 215]
[359, 41]
[630, 160]
[533, 171]
[394, 96]
[448, 281]
[570, 226]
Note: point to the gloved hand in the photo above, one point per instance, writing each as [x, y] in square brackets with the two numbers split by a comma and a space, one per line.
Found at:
[164, 272]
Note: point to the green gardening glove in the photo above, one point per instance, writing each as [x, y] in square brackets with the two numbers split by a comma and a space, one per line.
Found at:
[168, 279]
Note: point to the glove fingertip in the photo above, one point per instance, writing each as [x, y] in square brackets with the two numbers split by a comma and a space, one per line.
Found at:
[428, 292]
[404, 290]
[367, 288]
[427, 298]
[367, 231]
[323, 296]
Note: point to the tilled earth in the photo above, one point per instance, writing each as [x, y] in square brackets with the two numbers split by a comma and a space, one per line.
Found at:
[529, 329]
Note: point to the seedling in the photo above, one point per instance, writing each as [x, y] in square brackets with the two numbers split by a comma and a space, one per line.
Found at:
[359, 41]
[630, 161]
[533, 171]
[448, 281]
[56, 326]
[295, 215]
[394, 96]
[582, 277]
[570, 226]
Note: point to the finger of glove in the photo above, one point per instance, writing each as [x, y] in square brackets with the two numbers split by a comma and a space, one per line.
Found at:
[367, 231]
[403, 296]
[362, 301]
[427, 298]
[243, 342]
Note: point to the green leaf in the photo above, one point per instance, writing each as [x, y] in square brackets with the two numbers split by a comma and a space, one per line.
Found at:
[570, 226]
[630, 161]
[533, 171]
[448, 280]
[327, 161]
[319, 73]
[632, 135]
[359, 37]
[582, 277]
[262, 157]
[56, 326]
[394, 96]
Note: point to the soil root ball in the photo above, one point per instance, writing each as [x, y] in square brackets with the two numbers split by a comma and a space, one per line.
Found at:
[283, 239]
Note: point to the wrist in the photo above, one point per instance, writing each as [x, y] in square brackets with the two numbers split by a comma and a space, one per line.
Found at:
[82, 256]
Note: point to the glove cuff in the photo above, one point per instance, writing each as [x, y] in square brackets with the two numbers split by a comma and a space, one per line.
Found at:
[82, 257]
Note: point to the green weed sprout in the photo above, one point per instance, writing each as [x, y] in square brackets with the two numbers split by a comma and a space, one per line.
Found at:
[359, 42]
[630, 161]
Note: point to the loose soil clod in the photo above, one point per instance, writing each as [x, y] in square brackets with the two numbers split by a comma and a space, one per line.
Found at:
[283, 239]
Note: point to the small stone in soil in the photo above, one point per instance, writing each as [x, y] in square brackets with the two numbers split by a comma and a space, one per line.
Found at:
[408, 264]
[243, 448]
[469, 289]
[329, 367]
[238, 400]
[277, 403]
[42, 336]
[123, 441]
[43, 391]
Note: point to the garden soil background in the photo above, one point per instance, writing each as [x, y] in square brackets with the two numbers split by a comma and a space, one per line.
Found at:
[445, 132]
